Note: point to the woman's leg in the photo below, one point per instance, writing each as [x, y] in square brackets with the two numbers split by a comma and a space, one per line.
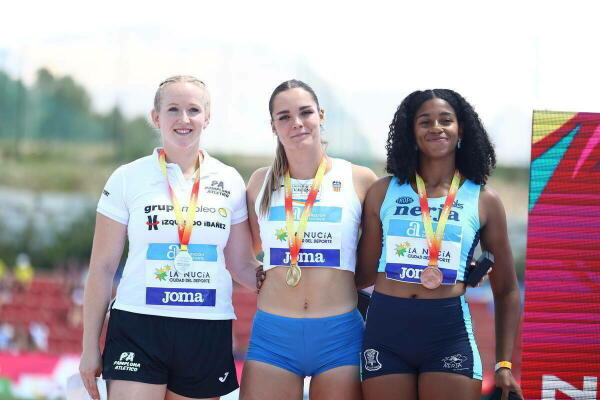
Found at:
[341, 383]
[262, 381]
[130, 390]
[174, 396]
[391, 387]
[448, 386]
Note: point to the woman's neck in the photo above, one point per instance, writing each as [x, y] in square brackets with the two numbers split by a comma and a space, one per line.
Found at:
[437, 173]
[187, 159]
[304, 165]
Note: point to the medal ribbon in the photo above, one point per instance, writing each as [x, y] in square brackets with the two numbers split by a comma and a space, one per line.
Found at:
[295, 238]
[184, 226]
[434, 242]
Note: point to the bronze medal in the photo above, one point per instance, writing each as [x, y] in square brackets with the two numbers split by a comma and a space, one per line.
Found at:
[431, 277]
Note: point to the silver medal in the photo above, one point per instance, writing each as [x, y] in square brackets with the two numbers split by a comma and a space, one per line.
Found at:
[183, 261]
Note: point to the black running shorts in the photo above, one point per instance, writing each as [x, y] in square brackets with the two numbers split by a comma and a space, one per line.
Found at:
[191, 356]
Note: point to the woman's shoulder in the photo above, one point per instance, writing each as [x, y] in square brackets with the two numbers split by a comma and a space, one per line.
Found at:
[490, 205]
[256, 181]
[488, 195]
[141, 165]
[378, 189]
[381, 184]
[363, 177]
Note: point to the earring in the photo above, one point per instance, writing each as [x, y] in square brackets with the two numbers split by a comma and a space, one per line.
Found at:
[458, 143]
[322, 127]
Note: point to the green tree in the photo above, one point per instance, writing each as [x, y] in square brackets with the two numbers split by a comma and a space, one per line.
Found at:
[64, 109]
[13, 97]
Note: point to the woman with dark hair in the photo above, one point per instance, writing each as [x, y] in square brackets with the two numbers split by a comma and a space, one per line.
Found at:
[419, 339]
[306, 323]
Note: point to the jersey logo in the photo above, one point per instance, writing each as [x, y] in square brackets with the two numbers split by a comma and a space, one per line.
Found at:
[152, 222]
[218, 188]
[404, 200]
[337, 186]
[127, 356]
[222, 378]
[126, 362]
[372, 360]
[455, 361]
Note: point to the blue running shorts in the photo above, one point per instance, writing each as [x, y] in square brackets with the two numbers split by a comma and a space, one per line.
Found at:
[306, 346]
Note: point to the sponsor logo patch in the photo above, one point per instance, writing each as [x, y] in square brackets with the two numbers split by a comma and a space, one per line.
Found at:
[318, 214]
[152, 222]
[224, 377]
[371, 357]
[281, 235]
[404, 200]
[307, 257]
[401, 248]
[434, 211]
[454, 362]
[180, 297]
[126, 362]
[217, 188]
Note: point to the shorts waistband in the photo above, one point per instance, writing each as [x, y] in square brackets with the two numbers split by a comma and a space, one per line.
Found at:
[348, 315]
[405, 301]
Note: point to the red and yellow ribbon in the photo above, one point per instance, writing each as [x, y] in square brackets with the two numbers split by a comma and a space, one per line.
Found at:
[295, 238]
[434, 241]
[184, 226]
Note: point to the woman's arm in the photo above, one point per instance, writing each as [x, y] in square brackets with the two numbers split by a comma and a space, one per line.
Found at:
[254, 185]
[239, 257]
[363, 178]
[107, 248]
[369, 245]
[503, 279]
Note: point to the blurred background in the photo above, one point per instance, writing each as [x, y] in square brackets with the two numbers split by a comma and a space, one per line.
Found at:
[77, 85]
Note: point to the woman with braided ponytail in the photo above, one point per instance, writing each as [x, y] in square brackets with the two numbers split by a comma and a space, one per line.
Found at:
[419, 341]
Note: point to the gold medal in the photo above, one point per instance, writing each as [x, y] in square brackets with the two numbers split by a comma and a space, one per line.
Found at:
[295, 237]
[293, 275]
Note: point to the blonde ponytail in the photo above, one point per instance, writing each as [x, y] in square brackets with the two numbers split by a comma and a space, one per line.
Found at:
[278, 168]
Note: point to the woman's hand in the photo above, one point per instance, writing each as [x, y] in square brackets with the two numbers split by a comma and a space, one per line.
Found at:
[506, 381]
[90, 367]
[260, 277]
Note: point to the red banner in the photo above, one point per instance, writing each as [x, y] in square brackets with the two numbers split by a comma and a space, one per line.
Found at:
[561, 329]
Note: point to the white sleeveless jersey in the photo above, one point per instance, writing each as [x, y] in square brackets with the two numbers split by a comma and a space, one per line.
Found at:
[331, 234]
[136, 195]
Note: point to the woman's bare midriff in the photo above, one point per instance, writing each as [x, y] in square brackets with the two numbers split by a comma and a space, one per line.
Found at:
[416, 291]
[322, 292]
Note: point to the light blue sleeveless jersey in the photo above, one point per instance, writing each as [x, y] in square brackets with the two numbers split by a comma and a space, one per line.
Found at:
[405, 254]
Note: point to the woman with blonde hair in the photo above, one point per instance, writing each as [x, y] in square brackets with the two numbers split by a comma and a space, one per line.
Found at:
[184, 214]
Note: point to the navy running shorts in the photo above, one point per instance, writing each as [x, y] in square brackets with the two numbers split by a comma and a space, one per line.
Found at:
[411, 336]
